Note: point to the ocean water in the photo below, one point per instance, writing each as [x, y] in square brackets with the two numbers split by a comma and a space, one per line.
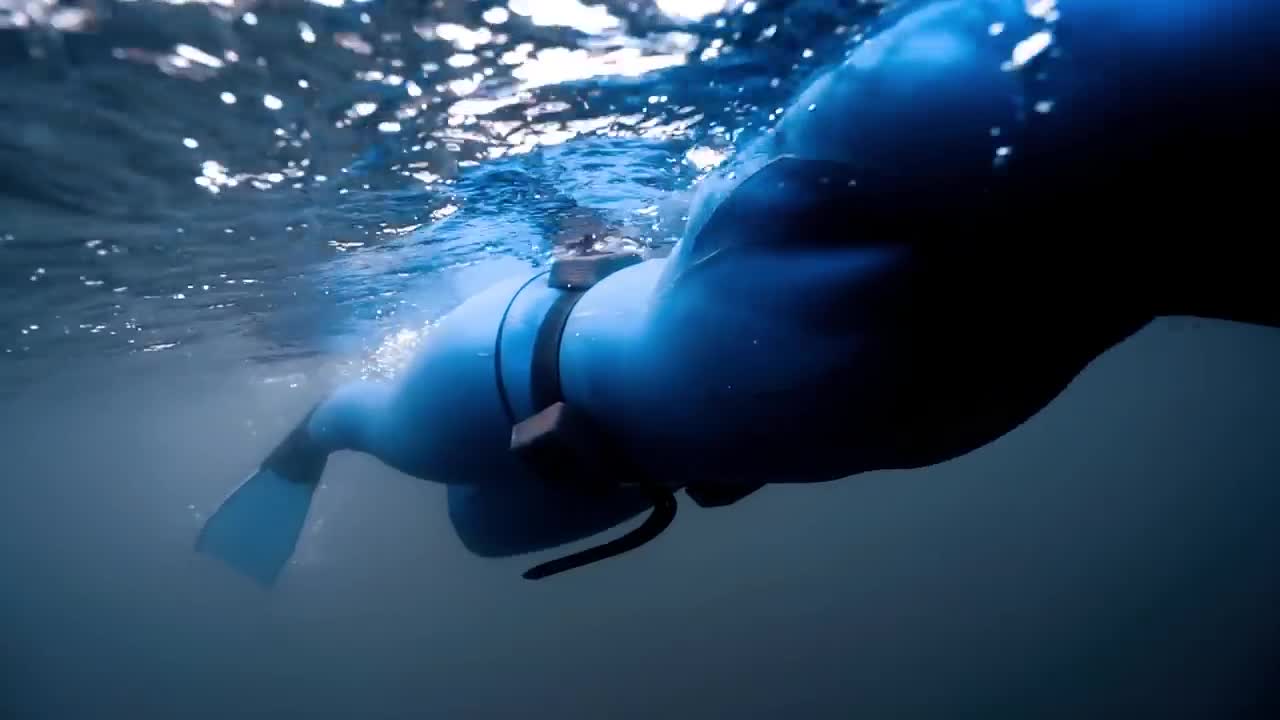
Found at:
[210, 212]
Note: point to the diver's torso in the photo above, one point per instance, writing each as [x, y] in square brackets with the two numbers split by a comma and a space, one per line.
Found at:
[1048, 137]
[842, 338]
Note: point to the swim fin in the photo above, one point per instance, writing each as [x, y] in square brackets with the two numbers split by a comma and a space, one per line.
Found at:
[257, 527]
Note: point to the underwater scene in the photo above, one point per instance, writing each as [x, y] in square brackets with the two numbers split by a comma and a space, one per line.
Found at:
[356, 355]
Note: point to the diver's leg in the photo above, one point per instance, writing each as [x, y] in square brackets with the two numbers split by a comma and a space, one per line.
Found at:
[524, 518]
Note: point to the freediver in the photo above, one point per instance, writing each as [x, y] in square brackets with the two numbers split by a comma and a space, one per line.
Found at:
[939, 234]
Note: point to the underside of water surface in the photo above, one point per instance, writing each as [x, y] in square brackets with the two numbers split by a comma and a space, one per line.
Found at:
[297, 171]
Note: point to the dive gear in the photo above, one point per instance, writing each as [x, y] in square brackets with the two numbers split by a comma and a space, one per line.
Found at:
[560, 444]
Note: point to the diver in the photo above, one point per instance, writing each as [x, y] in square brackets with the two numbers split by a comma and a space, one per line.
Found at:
[938, 235]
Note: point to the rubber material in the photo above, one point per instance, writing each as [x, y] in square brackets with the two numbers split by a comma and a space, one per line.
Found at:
[257, 527]
[545, 392]
[544, 379]
[664, 512]
[497, 350]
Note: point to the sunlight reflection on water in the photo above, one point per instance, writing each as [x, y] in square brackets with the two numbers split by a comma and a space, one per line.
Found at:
[160, 154]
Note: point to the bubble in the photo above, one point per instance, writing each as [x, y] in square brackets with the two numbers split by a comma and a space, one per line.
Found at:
[1030, 48]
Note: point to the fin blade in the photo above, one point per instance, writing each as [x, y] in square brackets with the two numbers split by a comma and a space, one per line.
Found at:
[257, 527]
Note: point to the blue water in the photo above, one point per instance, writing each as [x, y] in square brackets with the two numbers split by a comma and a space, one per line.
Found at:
[293, 170]
[211, 211]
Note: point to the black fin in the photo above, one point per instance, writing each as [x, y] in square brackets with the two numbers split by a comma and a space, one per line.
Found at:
[297, 457]
[256, 528]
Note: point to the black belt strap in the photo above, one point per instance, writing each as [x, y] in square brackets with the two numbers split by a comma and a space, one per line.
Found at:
[497, 350]
[549, 455]
[544, 378]
[664, 512]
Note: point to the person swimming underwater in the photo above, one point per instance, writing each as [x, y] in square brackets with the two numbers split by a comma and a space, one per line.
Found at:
[939, 234]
